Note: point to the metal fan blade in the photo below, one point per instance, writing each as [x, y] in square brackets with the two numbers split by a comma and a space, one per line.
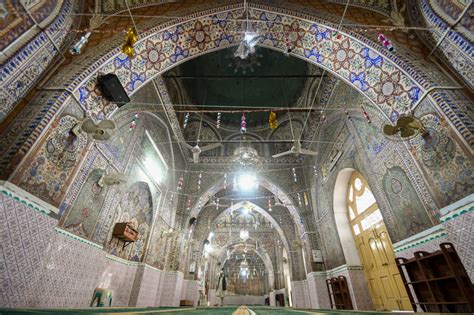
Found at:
[308, 152]
[101, 134]
[282, 154]
[210, 146]
[196, 157]
[390, 130]
[106, 124]
[407, 132]
[404, 120]
[88, 126]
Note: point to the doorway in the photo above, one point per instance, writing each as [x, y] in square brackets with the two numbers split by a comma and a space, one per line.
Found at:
[374, 247]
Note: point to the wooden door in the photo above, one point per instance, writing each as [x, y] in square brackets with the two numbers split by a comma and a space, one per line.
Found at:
[375, 248]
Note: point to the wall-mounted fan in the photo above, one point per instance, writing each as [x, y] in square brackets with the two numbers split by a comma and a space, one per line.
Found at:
[406, 127]
[112, 180]
[101, 131]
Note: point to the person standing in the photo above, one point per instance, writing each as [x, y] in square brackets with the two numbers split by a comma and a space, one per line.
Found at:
[221, 286]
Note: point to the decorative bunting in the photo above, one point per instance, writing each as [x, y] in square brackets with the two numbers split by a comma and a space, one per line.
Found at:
[180, 183]
[366, 115]
[385, 42]
[243, 124]
[347, 114]
[272, 120]
[186, 120]
[130, 40]
[199, 181]
[218, 121]
[133, 124]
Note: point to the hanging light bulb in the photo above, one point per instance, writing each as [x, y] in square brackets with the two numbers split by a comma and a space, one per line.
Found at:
[243, 124]
[270, 205]
[225, 180]
[295, 178]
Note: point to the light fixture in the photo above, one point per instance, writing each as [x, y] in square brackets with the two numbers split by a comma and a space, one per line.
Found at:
[247, 182]
[247, 45]
[244, 234]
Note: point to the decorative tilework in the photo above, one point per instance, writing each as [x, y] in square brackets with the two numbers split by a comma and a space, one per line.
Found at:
[19, 73]
[41, 268]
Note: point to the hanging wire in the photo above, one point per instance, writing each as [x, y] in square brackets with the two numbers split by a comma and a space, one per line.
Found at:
[322, 76]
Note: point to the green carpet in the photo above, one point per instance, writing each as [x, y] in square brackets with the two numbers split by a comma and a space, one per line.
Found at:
[228, 310]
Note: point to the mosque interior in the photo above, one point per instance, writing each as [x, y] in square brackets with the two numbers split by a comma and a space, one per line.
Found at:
[236, 156]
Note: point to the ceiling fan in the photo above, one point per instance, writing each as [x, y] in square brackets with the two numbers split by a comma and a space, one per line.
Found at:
[406, 127]
[196, 150]
[101, 131]
[296, 148]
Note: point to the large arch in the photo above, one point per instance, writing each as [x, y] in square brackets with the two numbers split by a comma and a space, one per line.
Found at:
[261, 253]
[265, 214]
[389, 81]
[265, 183]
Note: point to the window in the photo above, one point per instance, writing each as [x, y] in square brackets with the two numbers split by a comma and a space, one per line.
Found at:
[153, 161]
[356, 229]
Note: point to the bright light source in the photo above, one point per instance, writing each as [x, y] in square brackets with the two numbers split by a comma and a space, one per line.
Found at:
[211, 235]
[247, 182]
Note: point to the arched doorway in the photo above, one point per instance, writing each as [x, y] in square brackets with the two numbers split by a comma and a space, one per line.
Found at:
[375, 247]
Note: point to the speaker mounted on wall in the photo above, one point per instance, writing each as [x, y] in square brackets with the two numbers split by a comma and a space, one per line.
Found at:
[112, 89]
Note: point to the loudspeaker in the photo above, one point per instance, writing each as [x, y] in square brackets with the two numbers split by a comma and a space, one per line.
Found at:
[113, 90]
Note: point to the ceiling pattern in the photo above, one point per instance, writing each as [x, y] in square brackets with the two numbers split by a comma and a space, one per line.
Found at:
[389, 87]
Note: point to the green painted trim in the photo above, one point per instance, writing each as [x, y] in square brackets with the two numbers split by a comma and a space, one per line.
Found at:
[462, 203]
[458, 212]
[16, 193]
[421, 241]
[328, 273]
[77, 238]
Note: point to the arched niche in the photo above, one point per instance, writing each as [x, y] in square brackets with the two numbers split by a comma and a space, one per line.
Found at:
[343, 227]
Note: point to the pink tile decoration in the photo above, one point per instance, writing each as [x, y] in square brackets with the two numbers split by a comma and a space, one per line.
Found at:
[41, 268]
[461, 233]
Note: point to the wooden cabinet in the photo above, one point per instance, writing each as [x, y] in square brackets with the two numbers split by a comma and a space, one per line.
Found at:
[125, 232]
[437, 282]
[339, 295]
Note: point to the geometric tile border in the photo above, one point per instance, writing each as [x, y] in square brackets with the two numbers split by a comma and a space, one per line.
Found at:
[18, 194]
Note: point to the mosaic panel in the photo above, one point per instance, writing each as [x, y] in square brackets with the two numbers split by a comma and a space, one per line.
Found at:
[446, 166]
[407, 207]
[318, 44]
[19, 73]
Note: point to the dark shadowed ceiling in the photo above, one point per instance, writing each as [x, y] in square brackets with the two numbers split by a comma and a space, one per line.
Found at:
[266, 79]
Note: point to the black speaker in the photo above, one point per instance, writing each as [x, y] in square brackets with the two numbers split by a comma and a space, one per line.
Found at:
[113, 90]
